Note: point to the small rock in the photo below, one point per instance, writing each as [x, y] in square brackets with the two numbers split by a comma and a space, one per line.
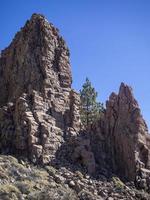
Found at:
[110, 198]
[72, 184]
[59, 179]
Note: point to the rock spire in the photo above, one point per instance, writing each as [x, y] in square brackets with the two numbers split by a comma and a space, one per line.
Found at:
[37, 105]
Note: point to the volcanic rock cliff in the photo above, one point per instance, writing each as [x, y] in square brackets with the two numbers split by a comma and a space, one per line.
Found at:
[121, 139]
[127, 134]
[38, 106]
[39, 111]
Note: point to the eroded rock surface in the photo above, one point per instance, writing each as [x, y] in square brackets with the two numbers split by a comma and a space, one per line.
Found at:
[121, 139]
[40, 120]
[127, 133]
[37, 105]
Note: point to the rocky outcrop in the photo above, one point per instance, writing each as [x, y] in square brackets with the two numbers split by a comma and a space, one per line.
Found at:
[122, 136]
[39, 112]
[127, 133]
[38, 108]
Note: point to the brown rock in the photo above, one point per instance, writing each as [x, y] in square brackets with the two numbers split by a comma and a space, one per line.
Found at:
[35, 80]
[83, 154]
[124, 135]
[39, 112]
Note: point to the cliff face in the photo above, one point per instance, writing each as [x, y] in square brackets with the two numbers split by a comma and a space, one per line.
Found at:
[39, 111]
[38, 106]
[120, 140]
[127, 133]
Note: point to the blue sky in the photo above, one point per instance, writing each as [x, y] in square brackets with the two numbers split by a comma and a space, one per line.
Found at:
[109, 40]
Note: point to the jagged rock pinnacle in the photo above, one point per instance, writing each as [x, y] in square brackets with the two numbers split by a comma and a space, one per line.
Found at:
[36, 96]
[36, 49]
[125, 135]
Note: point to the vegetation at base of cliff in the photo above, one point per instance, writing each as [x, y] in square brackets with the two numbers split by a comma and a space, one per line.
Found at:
[26, 181]
[90, 109]
[118, 183]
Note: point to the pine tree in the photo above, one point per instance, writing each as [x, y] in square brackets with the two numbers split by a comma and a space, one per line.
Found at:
[90, 108]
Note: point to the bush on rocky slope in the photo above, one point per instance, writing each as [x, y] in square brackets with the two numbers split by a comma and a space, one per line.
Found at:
[21, 180]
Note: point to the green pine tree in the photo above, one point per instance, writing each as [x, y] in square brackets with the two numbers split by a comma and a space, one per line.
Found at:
[90, 108]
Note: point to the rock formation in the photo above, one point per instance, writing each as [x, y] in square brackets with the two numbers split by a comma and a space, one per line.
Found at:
[39, 111]
[127, 134]
[121, 140]
[37, 105]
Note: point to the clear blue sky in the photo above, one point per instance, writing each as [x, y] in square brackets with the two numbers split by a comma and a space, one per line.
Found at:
[109, 40]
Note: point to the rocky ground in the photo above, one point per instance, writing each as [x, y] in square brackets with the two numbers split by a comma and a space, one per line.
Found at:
[20, 180]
